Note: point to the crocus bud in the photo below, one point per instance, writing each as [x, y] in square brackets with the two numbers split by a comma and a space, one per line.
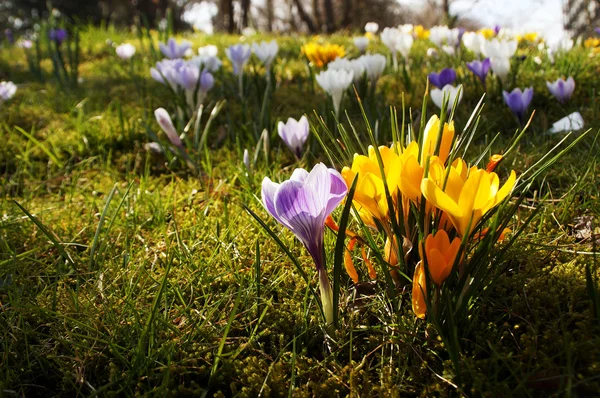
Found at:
[165, 123]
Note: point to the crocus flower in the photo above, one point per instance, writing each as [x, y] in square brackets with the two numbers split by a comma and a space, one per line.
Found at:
[562, 89]
[397, 41]
[294, 133]
[302, 204]
[207, 58]
[518, 101]
[167, 71]
[266, 52]
[7, 91]
[361, 42]
[125, 51]
[448, 91]
[356, 66]
[441, 255]
[172, 50]
[572, 122]
[57, 35]
[165, 123]
[371, 27]
[246, 159]
[419, 291]
[9, 35]
[500, 66]
[334, 83]
[473, 41]
[480, 68]
[466, 201]
[597, 30]
[440, 35]
[446, 76]
[374, 65]
[321, 55]
[238, 54]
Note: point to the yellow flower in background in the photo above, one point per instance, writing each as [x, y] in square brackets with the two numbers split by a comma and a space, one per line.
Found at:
[421, 32]
[370, 35]
[530, 37]
[419, 291]
[370, 189]
[591, 42]
[322, 54]
[466, 202]
[430, 138]
[488, 33]
[440, 254]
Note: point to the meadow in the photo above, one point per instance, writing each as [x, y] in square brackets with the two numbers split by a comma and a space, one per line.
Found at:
[155, 270]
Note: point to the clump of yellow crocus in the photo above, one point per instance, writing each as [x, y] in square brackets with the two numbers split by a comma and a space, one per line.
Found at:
[467, 201]
[322, 54]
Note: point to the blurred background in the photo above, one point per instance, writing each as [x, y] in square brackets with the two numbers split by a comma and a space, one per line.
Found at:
[552, 18]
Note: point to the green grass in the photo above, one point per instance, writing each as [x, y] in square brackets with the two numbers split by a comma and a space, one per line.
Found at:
[122, 276]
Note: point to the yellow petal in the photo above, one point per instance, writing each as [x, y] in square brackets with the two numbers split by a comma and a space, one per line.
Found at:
[419, 292]
[439, 198]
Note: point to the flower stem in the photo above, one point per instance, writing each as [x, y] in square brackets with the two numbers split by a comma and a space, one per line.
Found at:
[326, 297]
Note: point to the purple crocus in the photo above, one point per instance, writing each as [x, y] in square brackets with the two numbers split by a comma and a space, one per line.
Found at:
[165, 123]
[294, 133]
[57, 35]
[497, 29]
[9, 35]
[597, 30]
[172, 50]
[518, 101]
[238, 54]
[562, 89]
[480, 68]
[302, 204]
[445, 77]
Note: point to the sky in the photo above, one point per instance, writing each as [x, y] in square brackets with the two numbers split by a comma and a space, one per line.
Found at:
[544, 16]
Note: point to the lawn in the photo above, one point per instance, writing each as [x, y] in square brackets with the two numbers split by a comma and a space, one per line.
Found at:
[124, 271]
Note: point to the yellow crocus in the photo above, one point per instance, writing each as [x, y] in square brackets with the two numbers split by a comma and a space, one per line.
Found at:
[467, 201]
[370, 189]
[421, 32]
[488, 33]
[322, 54]
[440, 254]
[419, 291]
[430, 139]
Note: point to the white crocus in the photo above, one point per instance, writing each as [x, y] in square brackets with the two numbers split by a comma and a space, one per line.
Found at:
[125, 51]
[266, 52]
[450, 92]
[361, 42]
[334, 83]
[374, 65]
[395, 40]
[406, 28]
[371, 27]
[500, 66]
[572, 122]
[473, 41]
[495, 48]
[355, 66]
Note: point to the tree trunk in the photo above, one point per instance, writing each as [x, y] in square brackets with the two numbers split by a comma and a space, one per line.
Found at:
[269, 6]
[347, 20]
[329, 15]
[316, 10]
[245, 12]
[305, 17]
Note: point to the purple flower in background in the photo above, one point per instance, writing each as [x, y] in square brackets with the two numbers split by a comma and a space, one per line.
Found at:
[480, 68]
[167, 71]
[302, 204]
[597, 30]
[497, 29]
[9, 35]
[172, 50]
[57, 35]
[238, 54]
[461, 32]
[294, 133]
[188, 76]
[562, 89]
[518, 101]
[446, 76]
